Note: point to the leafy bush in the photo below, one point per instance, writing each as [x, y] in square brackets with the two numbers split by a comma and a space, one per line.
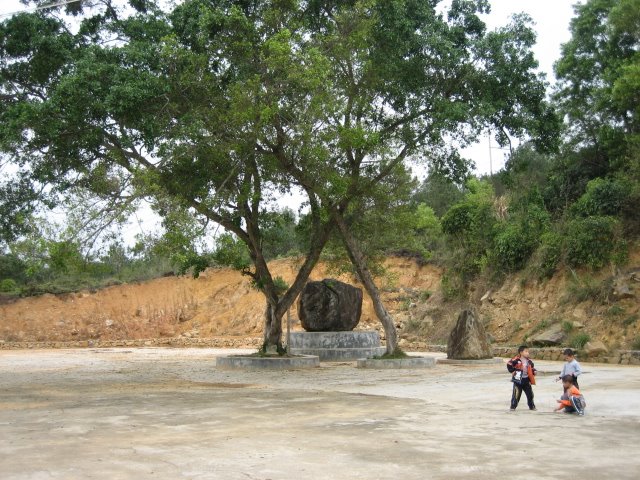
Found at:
[579, 340]
[586, 288]
[602, 197]
[548, 255]
[512, 247]
[231, 252]
[594, 241]
[8, 285]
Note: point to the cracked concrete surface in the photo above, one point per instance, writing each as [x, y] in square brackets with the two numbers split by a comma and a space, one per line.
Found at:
[170, 414]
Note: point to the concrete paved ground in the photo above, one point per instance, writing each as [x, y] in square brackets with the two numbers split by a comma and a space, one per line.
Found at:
[170, 414]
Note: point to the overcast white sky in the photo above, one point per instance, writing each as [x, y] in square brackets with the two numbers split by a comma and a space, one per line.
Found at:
[551, 19]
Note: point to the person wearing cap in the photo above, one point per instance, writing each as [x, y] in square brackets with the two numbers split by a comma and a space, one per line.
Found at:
[571, 367]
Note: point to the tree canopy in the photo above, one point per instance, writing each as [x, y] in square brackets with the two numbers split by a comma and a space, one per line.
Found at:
[217, 106]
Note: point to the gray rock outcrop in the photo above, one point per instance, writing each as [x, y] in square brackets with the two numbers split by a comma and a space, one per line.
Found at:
[329, 306]
[468, 340]
[554, 335]
[595, 347]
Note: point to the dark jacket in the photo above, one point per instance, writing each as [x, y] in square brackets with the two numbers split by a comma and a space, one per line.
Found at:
[515, 364]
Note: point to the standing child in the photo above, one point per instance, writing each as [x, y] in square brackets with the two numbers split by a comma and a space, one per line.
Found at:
[523, 376]
[572, 400]
[571, 367]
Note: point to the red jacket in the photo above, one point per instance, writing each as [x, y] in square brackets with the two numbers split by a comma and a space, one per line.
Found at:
[515, 364]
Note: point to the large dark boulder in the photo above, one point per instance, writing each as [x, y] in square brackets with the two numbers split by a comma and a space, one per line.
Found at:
[468, 340]
[329, 306]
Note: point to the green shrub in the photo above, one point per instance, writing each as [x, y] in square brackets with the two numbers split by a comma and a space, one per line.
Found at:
[579, 340]
[593, 241]
[231, 252]
[8, 285]
[452, 286]
[425, 295]
[586, 288]
[512, 247]
[567, 326]
[397, 353]
[541, 326]
[630, 320]
[615, 311]
[602, 197]
[635, 345]
[548, 255]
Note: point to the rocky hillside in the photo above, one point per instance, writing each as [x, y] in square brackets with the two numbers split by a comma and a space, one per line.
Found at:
[573, 306]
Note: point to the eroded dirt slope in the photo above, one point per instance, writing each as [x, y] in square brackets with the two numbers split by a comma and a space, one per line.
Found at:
[221, 302]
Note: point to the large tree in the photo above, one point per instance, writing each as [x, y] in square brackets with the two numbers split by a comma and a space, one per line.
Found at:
[128, 105]
[599, 80]
[401, 80]
[221, 103]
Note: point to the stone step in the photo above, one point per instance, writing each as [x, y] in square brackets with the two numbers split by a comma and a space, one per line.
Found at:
[313, 340]
[339, 354]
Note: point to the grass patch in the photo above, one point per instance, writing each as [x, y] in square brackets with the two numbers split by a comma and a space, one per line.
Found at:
[541, 326]
[580, 340]
[630, 320]
[424, 295]
[635, 345]
[397, 353]
[615, 311]
[567, 326]
[586, 288]
[415, 326]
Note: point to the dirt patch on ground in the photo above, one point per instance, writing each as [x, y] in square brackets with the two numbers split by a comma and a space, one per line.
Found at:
[169, 413]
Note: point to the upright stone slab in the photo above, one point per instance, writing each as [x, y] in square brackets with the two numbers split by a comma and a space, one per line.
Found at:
[468, 340]
[336, 346]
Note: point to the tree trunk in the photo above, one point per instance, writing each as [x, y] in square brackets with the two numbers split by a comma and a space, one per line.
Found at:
[272, 329]
[360, 264]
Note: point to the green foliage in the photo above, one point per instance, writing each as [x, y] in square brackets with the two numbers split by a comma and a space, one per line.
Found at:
[615, 311]
[438, 193]
[603, 197]
[396, 354]
[279, 234]
[567, 326]
[635, 344]
[8, 285]
[279, 283]
[586, 288]
[12, 267]
[230, 252]
[579, 340]
[512, 246]
[594, 242]
[424, 295]
[540, 326]
[548, 255]
[630, 320]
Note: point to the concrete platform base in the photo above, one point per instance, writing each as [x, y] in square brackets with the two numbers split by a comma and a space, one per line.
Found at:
[482, 361]
[336, 346]
[412, 362]
[240, 362]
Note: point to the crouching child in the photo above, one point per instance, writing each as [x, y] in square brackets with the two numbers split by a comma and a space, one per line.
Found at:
[572, 400]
